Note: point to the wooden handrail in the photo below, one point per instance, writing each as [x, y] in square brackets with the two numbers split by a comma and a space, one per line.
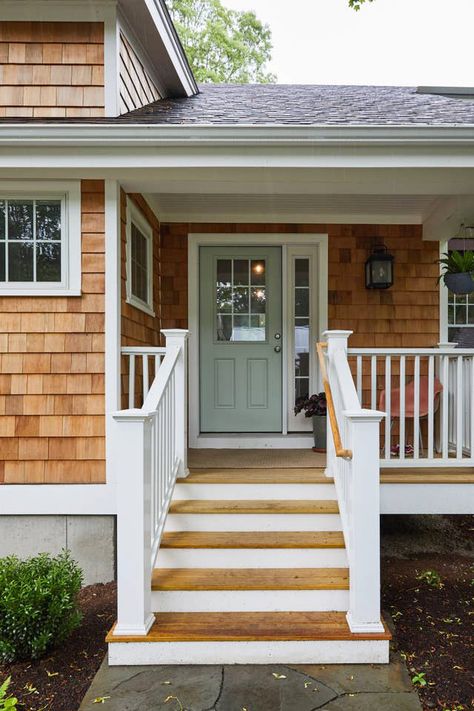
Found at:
[336, 435]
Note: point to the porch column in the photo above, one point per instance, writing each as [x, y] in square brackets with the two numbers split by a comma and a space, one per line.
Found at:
[179, 337]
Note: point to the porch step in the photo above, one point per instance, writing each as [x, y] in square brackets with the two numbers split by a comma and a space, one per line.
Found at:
[251, 637]
[257, 476]
[252, 539]
[193, 506]
[252, 549]
[250, 579]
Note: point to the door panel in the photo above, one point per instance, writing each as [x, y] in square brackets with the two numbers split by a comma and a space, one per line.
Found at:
[240, 357]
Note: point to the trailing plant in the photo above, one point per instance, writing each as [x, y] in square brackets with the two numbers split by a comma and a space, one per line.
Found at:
[455, 262]
[38, 604]
[311, 405]
[7, 702]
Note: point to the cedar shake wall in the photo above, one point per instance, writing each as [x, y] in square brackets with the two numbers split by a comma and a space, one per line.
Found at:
[52, 398]
[407, 315]
[138, 328]
[51, 69]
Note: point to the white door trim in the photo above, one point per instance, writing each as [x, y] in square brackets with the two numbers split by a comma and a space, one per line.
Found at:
[197, 240]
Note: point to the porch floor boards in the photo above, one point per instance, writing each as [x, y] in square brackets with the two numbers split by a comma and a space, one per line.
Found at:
[250, 626]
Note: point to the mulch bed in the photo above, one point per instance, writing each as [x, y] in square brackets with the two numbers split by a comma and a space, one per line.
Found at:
[433, 624]
[58, 681]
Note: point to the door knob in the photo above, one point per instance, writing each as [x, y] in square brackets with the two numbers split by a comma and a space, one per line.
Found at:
[277, 336]
[277, 349]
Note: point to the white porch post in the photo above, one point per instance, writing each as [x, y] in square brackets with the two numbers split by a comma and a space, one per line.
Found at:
[336, 340]
[364, 547]
[179, 337]
[132, 459]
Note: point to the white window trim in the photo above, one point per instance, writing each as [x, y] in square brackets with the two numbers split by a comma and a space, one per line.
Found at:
[136, 217]
[69, 192]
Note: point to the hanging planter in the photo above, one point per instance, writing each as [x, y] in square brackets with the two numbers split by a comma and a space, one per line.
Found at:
[457, 271]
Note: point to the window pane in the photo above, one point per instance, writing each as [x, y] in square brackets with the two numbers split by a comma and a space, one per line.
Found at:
[241, 328]
[2, 261]
[258, 301]
[471, 313]
[257, 272]
[301, 272]
[224, 327]
[20, 261]
[301, 302]
[241, 300]
[20, 219]
[139, 265]
[48, 262]
[224, 272]
[48, 219]
[241, 272]
[224, 299]
[302, 346]
[2, 219]
[461, 313]
[301, 387]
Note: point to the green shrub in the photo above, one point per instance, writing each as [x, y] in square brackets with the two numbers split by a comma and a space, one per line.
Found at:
[38, 604]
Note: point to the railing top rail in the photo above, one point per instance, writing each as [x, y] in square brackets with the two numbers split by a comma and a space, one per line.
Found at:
[411, 351]
[163, 375]
[336, 435]
[143, 350]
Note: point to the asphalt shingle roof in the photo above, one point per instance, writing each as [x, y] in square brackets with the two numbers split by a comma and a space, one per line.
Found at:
[300, 104]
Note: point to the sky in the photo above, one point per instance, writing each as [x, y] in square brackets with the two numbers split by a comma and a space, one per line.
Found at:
[391, 42]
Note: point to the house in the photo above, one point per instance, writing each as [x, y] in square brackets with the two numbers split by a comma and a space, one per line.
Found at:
[169, 258]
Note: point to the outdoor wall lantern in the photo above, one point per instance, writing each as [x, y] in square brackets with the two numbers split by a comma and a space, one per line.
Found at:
[379, 268]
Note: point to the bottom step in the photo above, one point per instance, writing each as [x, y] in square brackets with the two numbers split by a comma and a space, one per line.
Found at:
[249, 638]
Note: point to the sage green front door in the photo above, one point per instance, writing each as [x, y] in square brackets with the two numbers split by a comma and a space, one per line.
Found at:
[240, 339]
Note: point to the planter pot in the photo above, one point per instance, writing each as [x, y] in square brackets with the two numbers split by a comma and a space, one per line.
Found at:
[319, 433]
[460, 283]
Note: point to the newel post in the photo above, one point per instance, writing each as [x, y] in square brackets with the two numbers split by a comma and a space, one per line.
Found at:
[336, 340]
[132, 464]
[364, 540]
[179, 337]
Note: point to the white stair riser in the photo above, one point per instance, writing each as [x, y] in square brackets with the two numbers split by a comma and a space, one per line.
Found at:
[253, 558]
[307, 652]
[250, 600]
[253, 522]
[306, 492]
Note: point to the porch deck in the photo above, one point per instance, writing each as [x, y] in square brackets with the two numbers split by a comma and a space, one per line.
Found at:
[212, 461]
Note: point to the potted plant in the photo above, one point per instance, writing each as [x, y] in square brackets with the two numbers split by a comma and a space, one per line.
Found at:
[314, 406]
[457, 271]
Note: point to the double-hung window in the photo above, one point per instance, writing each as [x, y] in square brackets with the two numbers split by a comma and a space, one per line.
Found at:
[139, 260]
[36, 234]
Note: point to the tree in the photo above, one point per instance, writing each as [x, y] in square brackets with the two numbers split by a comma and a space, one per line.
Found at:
[223, 45]
[356, 4]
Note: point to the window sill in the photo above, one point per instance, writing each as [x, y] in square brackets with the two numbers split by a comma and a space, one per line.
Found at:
[141, 306]
[39, 292]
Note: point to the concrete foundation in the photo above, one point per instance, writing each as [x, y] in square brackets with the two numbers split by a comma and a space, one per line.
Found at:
[91, 540]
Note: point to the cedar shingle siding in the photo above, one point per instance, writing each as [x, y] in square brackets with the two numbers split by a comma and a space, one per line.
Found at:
[52, 401]
[51, 69]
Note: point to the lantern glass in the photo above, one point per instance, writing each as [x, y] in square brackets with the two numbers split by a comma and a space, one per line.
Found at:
[379, 270]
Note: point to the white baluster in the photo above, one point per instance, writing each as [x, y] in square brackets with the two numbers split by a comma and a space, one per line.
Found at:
[388, 405]
[445, 410]
[416, 409]
[359, 378]
[431, 403]
[131, 382]
[402, 408]
[146, 378]
[459, 408]
[373, 382]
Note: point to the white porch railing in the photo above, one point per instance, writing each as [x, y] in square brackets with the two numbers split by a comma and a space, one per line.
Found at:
[353, 461]
[428, 399]
[149, 358]
[150, 452]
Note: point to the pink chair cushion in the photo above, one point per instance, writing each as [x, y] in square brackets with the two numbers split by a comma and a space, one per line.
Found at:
[410, 398]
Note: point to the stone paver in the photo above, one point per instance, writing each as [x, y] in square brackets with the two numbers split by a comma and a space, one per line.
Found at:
[337, 687]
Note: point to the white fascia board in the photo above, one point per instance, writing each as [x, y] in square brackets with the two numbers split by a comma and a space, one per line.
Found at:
[149, 20]
[116, 146]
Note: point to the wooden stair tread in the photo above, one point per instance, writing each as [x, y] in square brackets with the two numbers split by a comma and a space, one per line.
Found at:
[249, 627]
[214, 506]
[250, 579]
[435, 475]
[257, 476]
[253, 539]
